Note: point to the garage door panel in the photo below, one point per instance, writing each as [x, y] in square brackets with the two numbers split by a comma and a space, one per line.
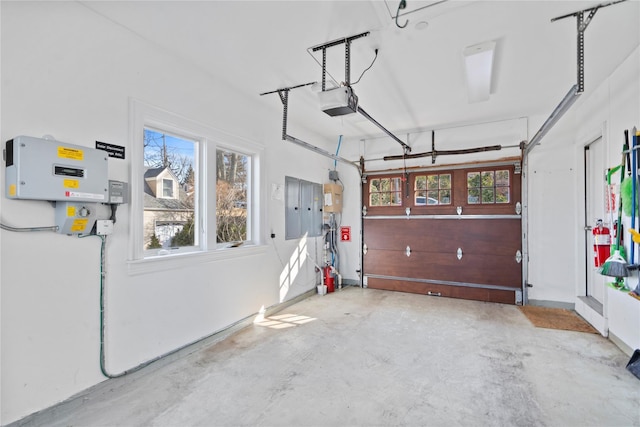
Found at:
[481, 268]
[434, 235]
[463, 292]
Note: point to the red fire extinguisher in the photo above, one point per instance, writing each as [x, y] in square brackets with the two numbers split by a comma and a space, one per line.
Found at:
[615, 234]
[329, 281]
[601, 243]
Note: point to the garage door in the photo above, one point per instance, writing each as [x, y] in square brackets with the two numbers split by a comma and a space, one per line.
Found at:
[453, 233]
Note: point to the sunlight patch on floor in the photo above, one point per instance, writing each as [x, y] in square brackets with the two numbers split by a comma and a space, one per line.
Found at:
[284, 321]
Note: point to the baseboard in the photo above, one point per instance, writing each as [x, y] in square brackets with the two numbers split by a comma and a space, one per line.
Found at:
[553, 304]
[621, 345]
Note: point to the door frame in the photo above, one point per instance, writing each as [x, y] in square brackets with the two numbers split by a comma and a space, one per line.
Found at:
[599, 320]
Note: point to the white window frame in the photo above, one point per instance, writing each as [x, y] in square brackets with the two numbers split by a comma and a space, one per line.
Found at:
[209, 140]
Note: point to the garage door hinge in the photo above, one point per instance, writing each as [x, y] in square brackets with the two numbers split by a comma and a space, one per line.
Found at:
[365, 249]
[518, 256]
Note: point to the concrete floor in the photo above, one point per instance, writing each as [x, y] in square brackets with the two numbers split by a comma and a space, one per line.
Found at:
[368, 357]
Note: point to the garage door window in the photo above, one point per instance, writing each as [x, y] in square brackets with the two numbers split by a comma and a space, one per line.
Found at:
[385, 192]
[488, 187]
[432, 190]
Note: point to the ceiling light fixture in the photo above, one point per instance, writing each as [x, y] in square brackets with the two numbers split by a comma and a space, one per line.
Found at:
[478, 64]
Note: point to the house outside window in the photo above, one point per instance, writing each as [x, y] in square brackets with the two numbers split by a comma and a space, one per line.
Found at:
[169, 214]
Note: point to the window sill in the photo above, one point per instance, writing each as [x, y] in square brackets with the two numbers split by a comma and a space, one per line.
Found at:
[170, 262]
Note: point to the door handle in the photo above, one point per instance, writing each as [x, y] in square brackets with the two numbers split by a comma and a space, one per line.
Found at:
[588, 228]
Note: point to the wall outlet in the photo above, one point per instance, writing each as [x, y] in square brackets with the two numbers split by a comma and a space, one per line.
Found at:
[104, 227]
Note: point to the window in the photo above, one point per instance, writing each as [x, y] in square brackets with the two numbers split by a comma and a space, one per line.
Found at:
[432, 190]
[169, 209]
[488, 187]
[167, 188]
[194, 190]
[385, 192]
[232, 177]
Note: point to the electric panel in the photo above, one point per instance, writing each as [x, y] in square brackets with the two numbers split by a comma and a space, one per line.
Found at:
[75, 218]
[43, 169]
[118, 192]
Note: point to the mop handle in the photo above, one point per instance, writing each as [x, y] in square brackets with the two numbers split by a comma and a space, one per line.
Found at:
[625, 148]
[633, 193]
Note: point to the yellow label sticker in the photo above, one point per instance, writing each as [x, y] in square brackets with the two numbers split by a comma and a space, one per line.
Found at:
[79, 224]
[71, 183]
[70, 153]
[71, 211]
[12, 190]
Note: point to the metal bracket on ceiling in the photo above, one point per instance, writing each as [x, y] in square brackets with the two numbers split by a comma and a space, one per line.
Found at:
[577, 89]
[582, 25]
[347, 56]
[283, 93]
[347, 77]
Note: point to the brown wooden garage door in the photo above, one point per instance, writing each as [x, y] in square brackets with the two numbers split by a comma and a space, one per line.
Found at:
[453, 233]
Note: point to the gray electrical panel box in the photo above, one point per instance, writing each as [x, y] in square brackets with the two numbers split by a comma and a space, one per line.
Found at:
[303, 208]
[43, 169]
[118, 192]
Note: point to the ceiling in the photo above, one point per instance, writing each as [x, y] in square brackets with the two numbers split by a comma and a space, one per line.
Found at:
[417, 80]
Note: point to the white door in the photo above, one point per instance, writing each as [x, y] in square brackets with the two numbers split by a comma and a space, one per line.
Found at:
[595, 197]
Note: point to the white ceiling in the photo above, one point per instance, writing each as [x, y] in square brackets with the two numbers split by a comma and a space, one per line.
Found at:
[417, 79]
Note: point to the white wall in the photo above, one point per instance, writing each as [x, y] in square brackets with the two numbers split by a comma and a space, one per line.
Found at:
[70, 73]
[556, 196]
[551, 176]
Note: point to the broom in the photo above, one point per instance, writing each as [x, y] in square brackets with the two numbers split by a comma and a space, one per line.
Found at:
[615, 265]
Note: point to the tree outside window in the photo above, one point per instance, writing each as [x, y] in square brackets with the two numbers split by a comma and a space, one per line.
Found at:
[232, 178]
